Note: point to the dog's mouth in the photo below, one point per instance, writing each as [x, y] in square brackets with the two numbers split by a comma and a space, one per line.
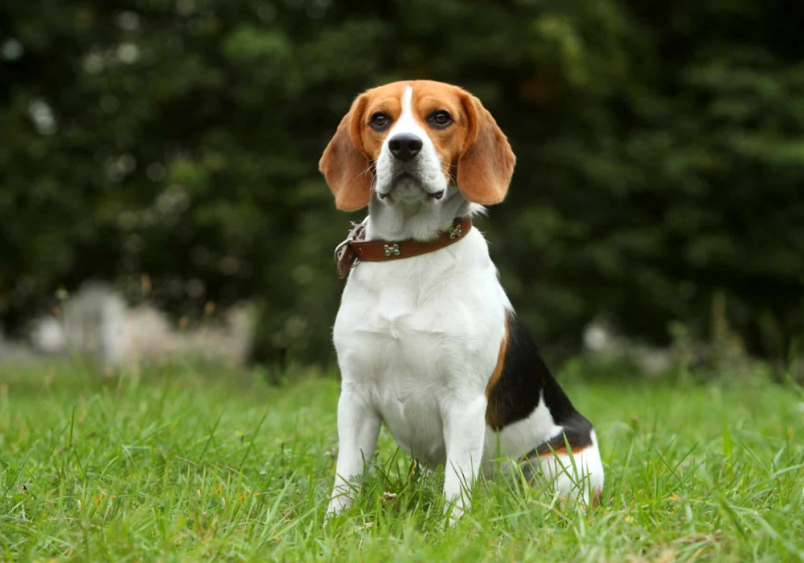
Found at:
[411, 188]
[434, 196]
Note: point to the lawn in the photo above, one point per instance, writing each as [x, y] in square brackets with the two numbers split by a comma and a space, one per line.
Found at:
[172, 464]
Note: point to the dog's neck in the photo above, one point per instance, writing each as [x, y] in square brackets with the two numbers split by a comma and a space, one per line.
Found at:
[418, 220]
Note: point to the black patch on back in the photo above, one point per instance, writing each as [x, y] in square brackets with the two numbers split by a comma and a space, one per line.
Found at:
[523, 380]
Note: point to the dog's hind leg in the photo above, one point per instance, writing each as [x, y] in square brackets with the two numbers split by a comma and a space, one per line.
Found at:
[575, 472]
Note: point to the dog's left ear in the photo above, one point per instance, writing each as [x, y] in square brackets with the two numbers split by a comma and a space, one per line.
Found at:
[345, 164]
[487, 161]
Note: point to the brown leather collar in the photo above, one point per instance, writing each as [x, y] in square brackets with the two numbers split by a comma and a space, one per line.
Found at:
[356, 249]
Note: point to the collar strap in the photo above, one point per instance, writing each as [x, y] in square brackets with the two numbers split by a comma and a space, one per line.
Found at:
[356, 249]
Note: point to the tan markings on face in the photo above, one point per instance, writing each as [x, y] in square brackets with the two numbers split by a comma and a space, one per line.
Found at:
[385, 99]
[428, 98]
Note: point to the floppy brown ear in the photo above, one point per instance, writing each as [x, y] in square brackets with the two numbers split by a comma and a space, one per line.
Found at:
[345, 164]
[487, 161]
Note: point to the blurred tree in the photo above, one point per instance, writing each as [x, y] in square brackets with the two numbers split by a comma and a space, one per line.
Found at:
[660, 154]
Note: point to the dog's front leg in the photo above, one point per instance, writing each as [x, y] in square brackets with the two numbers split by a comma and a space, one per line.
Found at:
[464, 435]
[358, 428]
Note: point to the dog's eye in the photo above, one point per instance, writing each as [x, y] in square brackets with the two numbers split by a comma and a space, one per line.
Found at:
[379, 121]
[441, 119]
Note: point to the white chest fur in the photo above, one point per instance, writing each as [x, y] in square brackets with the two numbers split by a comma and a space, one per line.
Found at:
[413, 338]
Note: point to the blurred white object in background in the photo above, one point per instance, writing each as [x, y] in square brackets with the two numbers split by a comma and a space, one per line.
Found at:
[601, 341]
[47, 336]
[91, 322]
[597, 337]
[96, 321]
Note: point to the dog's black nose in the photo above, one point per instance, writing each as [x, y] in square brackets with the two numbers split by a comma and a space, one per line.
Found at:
[405, 146]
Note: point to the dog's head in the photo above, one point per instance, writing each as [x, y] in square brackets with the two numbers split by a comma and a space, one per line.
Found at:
[411, 141]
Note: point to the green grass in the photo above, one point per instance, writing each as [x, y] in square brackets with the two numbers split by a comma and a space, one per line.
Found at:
[168, 464]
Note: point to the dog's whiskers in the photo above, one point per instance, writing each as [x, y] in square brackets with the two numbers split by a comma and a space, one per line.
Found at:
[445, 168]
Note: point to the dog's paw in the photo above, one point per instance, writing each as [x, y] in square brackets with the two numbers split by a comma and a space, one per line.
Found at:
[338, 502]
[454, 511]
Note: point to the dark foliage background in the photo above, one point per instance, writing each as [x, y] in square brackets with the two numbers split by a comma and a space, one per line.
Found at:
[660, 146]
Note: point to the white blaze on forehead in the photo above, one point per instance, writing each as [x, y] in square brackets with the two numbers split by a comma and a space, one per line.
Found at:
[407, 123]
[407, 96]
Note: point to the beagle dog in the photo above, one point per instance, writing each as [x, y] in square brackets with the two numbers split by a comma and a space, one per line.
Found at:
[427, 340]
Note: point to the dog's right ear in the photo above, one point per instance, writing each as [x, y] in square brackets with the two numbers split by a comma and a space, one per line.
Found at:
[345, 164]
